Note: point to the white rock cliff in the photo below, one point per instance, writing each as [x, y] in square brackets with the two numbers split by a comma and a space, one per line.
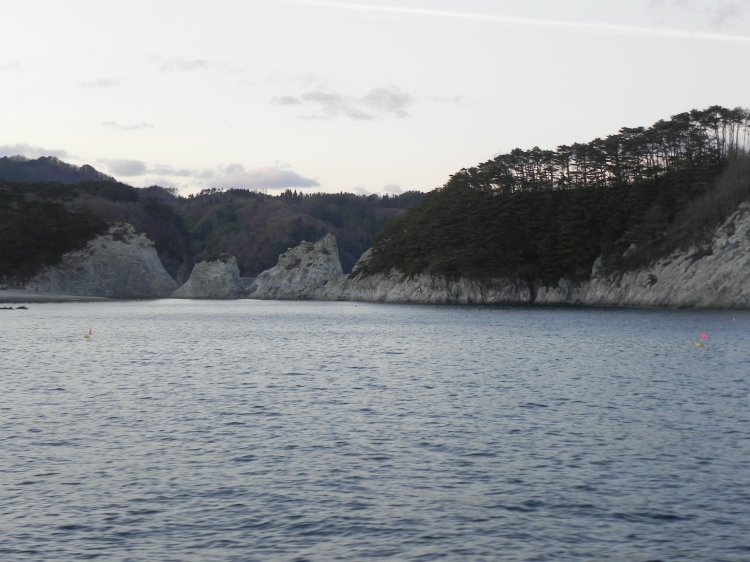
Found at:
[302, 272]
[715, 275]
[218, 279]
[118, 264]
[395, 287]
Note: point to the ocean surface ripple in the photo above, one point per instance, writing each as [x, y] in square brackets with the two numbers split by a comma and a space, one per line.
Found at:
[233, 431]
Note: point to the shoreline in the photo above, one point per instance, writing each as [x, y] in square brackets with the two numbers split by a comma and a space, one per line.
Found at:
[20, 296]
[25, 295]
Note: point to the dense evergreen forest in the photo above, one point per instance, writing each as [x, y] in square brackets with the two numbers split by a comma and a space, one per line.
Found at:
[546, 214]
[35, 233]
[40, 221]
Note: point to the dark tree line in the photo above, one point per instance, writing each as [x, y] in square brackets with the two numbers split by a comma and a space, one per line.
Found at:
[35, 233]
[693, 142]
[545, 214]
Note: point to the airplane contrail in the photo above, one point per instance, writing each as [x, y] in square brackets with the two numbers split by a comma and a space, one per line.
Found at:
[583, 26]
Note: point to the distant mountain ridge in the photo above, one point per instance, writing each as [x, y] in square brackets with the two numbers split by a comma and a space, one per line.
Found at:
[47, 169]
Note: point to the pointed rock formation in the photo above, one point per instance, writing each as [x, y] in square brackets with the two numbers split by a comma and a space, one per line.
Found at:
[218, 279]
[119, 264]
[301, 273]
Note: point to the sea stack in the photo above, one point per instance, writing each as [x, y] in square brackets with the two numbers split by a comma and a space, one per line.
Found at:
[121, 263]
[301, 273]
[218, 279]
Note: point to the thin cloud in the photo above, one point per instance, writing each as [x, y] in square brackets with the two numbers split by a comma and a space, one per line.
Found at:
[386, 101]
[719, 14]
[10, 67]
[192, 65]
[183, 65]
[23, 149]
[264, 178]
[127, 168]
[310, 80]
[451, 99]
[115, 125]
[233, 175]
[109, 82]
[723, 13]
[165, 170]
[285, 100]
[332, 104]
[596, 27]
[130, 168]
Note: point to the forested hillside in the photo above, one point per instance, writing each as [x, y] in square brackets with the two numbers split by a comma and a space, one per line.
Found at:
[107, 201]
[546, 214]
[34, 233]
[47, 168]
[254, 227]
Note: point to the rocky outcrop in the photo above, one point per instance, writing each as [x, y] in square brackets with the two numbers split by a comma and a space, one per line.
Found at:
[395, 287]
[118, 264]
[713, 275]
[218, 279]
[302, 272]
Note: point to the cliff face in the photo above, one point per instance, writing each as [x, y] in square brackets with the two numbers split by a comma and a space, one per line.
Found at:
[302, 272]
[716, 275]
[425, 289]
[118, 264]
[218, 279]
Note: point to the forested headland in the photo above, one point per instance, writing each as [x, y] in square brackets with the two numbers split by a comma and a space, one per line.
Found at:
[543, 215]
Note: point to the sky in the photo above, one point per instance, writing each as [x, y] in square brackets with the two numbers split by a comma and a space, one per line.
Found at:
[347, 95]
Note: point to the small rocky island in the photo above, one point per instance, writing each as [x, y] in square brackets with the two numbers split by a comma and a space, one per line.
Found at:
[302, 273]
[218, 279]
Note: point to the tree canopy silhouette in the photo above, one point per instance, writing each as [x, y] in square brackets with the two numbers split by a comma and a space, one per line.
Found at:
[546, 214]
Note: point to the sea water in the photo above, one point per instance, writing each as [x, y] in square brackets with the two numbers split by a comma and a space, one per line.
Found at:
[248, 430]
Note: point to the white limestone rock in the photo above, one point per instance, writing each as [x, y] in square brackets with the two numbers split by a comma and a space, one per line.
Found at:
[218, 279]
[395, 287]
[715, 275]
[119, 264]
[302, 272]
